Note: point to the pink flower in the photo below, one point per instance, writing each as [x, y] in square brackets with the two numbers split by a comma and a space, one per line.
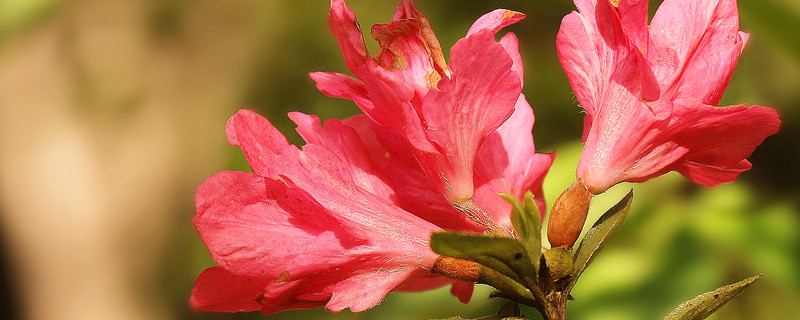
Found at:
[444, 112]
[650, 92]
[312, 227]
[348, 218]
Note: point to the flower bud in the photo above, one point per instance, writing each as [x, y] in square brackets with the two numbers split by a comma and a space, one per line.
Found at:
[568, 215]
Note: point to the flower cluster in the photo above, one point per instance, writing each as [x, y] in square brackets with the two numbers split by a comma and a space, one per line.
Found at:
[348, 217]
[650, 92]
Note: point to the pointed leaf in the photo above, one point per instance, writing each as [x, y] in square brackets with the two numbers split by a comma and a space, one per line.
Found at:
[702, 306]
[505, 255]
[597, 237]
[527, 224]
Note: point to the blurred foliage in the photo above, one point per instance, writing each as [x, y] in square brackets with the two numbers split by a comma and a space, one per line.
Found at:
[679, 239]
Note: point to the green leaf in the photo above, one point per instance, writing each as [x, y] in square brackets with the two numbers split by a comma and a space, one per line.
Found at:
[597, 237]
[702, 306]
[528, 225]
[503, 254]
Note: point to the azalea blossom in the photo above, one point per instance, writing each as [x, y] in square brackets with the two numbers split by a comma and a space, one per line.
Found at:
[443, 111]
[348, 218]
[651, 92]
[309, 228]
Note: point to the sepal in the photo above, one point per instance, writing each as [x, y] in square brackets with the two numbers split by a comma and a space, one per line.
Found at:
[505, 255]
[527, 224]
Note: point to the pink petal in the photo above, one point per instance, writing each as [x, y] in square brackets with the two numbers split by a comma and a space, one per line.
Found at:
[218, 290]
[263, 145]
[403, 49]
[407, 10]
[590, 44]
[712, 175]
[358, 280]
[499, 19]
[346, 144]
[235, 218]
[338, 85]
[694, 47]
[511, 44]
[633, 18]
[394, 107]
[495, 20]
[342, 21]
[326, 177]
[705, 143]
[719, 139]
[508, 163]
[463, 110]
[463, 291]
[413, 190]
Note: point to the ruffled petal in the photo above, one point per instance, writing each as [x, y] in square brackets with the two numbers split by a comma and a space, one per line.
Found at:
[218, 290]
[342, 21]
[495, 20]
[407, 10]
[236, 217]
[511, 44]
[508, 163]
[633, 18]
[719, 139]
[463, 291]
[590, 45]
[403, 50]
[707, 144]
[357, 277]
[394, 107]
[328, 179]
[464, 109]
[345, 143]
[338, 85]
[694, 47]
[414, 193]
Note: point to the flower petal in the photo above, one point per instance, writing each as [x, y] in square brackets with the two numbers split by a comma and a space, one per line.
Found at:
[407, 10]
[464, 109]
[495, 20]
[508, 163]
[413, 190]
[511, 44]
[463, 291]
[590, 45]
[707, 144]
[402, 48]
[218, 290]
[633, 18]
[694, 47]
[338, 85]
[345, 143]
[342, 21]
[719, 139]
[238, 213]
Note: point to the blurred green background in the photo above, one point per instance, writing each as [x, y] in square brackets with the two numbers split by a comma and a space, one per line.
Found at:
[112, 112]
